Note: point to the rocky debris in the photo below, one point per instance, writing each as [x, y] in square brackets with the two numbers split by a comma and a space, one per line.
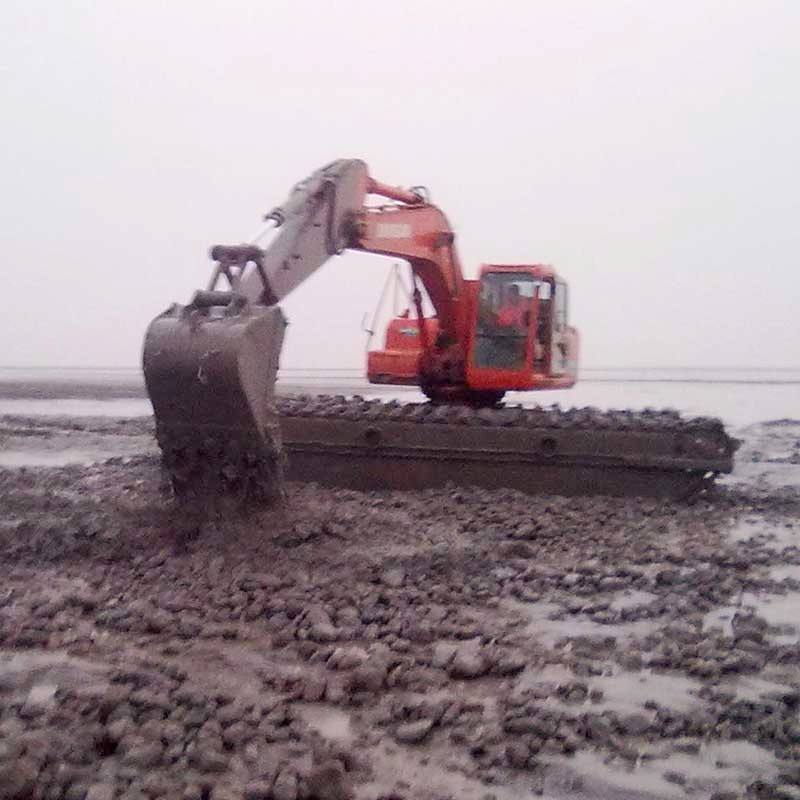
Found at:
[469, 663]
[414, 732]
[393, 578]
[18, 779]
[508, 663]
[329, 781]
[344, 658]
[443, 654]
[100, 791]
[278, 657]
[635, 724]
[39, 701]
[258, 790]
[285, 786]
[369, 677]
[672, 776]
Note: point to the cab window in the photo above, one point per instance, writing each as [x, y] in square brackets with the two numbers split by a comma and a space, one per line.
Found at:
[504, 315]
[561, 307]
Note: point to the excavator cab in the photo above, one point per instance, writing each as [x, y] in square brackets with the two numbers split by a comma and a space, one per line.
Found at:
[520, 337]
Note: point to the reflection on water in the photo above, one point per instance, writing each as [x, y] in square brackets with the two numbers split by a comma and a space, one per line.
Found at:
[738, 397]
[331, 723]
[717, 763]
[43, 673]
[132, 407]
[19, 456]
[781, 611]
[547, 623]
[773, 536]
[736, 405]
[41, 458]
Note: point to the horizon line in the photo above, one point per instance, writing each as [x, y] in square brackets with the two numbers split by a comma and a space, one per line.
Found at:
[760, 368]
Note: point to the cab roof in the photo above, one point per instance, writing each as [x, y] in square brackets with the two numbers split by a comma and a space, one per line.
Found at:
[540, 271]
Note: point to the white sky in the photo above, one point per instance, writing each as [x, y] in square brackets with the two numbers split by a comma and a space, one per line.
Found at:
[650, 151]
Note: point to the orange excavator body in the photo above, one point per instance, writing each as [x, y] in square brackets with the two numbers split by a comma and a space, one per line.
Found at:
[470, 350]
[541, 352]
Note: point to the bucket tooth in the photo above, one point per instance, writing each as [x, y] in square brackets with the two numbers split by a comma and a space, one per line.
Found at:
[211, 379]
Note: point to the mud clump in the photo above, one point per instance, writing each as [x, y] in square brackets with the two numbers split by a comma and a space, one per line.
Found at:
[433, 644]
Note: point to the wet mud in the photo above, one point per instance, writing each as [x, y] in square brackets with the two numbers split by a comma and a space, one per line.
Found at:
[432, 644]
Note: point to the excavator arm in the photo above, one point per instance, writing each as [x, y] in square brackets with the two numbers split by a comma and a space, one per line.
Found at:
[326, 214]
[313, 224]
[210, 366]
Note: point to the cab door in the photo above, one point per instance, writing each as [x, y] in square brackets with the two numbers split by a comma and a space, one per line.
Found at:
[560, 361]
[502, 342]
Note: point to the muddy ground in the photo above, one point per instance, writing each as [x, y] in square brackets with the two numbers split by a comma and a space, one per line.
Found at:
[440, 644]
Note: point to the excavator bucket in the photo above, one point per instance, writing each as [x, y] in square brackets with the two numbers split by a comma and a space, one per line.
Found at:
[210, 372]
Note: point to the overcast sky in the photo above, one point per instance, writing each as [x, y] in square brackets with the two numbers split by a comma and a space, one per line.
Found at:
[649, 151]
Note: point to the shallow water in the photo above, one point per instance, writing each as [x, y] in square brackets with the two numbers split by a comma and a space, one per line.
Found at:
[781, 611]
[774, 537]
[74, 407]
[330, 723]
[15, 458]
[716, 762]
[632, 598]
[54, 447]
[738, 397]
[43, 672]
[626, 692]
[547, 624]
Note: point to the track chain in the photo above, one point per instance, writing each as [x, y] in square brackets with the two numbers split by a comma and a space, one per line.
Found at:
[359, 409]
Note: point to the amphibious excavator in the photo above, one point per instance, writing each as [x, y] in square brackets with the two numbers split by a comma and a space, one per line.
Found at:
[210, 368]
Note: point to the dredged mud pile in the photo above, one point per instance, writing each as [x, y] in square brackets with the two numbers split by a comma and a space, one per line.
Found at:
[396, 645]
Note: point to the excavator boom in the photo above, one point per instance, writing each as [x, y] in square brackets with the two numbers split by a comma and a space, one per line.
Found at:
[312, 225]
